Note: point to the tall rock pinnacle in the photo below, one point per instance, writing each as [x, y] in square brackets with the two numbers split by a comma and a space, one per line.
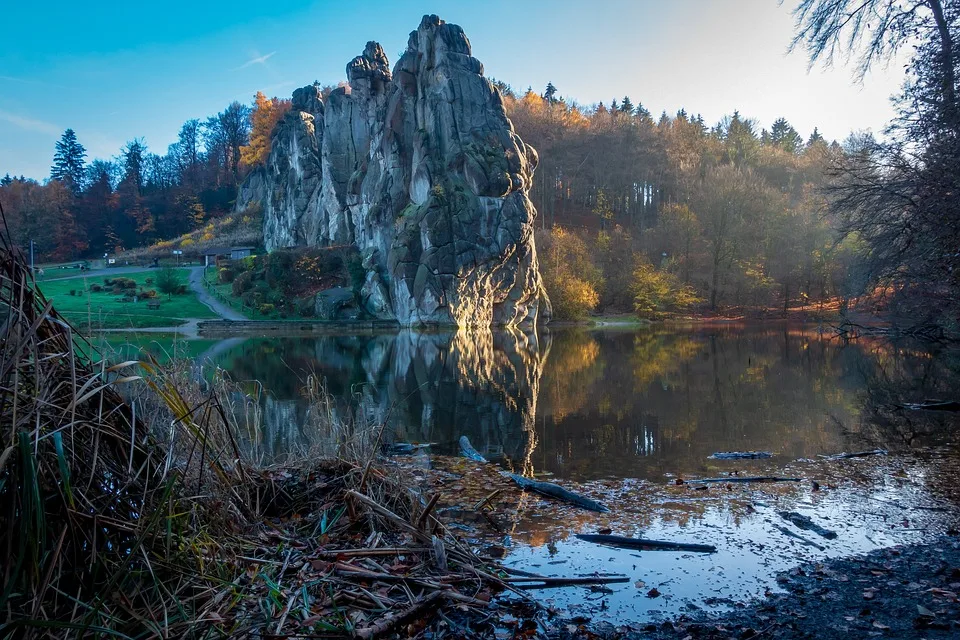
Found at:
[421, 169]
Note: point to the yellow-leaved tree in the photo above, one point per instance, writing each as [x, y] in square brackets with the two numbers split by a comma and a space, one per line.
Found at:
[266, 113]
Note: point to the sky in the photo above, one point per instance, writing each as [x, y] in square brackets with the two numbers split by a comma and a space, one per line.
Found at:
[115, 71]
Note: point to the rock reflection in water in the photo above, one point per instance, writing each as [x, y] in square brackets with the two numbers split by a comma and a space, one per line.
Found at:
[605, 404]
[426, 387]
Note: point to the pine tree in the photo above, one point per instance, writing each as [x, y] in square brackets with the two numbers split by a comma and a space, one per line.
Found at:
[550, 93]
[626, 106]
[815, 137]
[68, 166]
[785, 136]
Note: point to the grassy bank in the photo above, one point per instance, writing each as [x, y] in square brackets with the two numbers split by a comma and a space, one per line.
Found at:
[78, 300]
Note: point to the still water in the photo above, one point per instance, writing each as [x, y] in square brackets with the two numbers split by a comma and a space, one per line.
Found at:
[587, 405]
[623, 415]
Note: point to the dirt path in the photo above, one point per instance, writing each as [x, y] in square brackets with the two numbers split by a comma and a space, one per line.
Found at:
[196, 283]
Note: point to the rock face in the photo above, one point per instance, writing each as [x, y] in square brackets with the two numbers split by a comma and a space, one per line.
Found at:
[420, 168]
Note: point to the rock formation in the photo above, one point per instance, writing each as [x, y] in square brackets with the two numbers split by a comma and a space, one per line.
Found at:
[421, 170]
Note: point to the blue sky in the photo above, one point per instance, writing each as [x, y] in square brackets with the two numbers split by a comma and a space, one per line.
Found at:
[113, 71]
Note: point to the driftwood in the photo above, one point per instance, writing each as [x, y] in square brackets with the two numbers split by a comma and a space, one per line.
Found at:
[467, 450]
[932, 405]
[388, 622]
[556, 491]
[792, 534]
[740, 455]
[404, 448]
[856, 454]
[745, 479]
[807, 524]
[645, 545]
[544, 581]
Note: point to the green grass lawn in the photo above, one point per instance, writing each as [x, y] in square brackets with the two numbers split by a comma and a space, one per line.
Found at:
[104, 310]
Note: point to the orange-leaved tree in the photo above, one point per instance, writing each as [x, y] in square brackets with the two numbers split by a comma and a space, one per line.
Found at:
[266, 113]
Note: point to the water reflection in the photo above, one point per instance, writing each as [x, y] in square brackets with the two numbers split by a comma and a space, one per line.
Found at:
[426, 387]
[593, 404]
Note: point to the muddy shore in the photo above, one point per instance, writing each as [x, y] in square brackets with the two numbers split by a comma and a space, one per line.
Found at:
[899, 592]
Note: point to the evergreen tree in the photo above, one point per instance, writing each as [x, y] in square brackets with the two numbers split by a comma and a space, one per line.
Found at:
[68, 165]
[815, 137]
[785, 136]
[626, 106]
[550, 94]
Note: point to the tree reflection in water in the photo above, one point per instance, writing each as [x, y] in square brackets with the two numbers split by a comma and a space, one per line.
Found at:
[616, 403]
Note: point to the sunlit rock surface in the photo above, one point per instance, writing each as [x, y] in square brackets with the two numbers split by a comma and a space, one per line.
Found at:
[420, 168]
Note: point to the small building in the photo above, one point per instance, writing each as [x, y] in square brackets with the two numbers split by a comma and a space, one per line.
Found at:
[214, 255]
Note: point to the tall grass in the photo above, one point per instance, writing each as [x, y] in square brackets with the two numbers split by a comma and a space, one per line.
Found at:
[130, 507]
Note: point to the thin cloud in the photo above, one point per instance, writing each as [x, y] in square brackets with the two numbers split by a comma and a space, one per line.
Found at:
[257, 60]
[29, 124]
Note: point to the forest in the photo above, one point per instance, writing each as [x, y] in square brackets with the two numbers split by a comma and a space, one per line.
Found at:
[637, 213]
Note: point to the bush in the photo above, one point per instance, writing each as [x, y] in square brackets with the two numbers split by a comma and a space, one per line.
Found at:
[96, 288]
[305, 307]
[657, 291]
[73, 292]
[181, 289]
[573, 298]
[147, 294]
[226, 275]
[149, 281]
[242, 283]
[117, 289]
[108, 282]
[125, 283]
[266, 309]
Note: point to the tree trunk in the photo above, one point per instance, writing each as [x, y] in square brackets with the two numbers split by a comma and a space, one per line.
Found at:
[946, 50]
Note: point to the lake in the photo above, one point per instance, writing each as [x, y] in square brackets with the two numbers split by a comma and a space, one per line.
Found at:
[589, 404]
[625, 414]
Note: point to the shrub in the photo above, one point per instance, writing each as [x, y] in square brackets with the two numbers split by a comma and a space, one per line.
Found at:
[108, 282]
[657, 291]
[306, 306]
[149, 281]
[117, 289]
[181, 289]
[186, 242]
[147, 294]
[266, 309]
[125, 283]
[226, 275]
[73, 292]
[242, 283]
[573, 298]
[96, 288]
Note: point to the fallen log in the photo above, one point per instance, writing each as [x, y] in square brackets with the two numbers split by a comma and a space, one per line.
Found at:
[557, 492]
[745, 479]
[856, 454]
[792, 534]
[932, 405]
[542, 582]
[740, 455]
[404, 448]
[645, 545]
[467, 450]
[807, 524]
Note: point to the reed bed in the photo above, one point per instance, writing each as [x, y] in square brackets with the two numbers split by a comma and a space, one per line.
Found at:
[129, 509]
